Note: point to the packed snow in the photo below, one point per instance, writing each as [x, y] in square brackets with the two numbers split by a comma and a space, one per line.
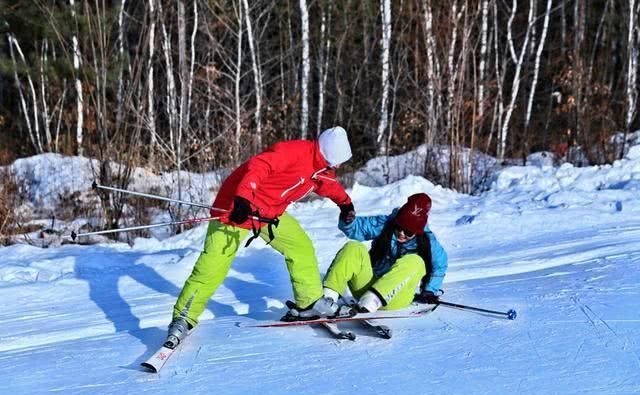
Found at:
[561, 245]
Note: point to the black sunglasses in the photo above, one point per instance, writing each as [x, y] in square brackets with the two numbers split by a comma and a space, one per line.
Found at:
[405, 232]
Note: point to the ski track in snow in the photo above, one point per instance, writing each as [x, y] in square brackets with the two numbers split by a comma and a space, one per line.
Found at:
[80, 319]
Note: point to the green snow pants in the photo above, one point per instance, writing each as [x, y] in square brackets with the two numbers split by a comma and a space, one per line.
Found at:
[352, 267]
[220, 247]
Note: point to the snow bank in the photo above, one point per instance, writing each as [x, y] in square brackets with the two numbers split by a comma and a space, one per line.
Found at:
[384, 170]
[48, 178]
[605, 186]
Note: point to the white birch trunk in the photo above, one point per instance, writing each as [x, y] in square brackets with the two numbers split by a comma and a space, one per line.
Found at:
[60, 106]
[236, 148]
[257, 75]
[516, 81]
[119, 97]
[171, 85]
[483, 59]
[151, 112]
[44, 82]
[23, 101]
[78, 83]
[432, 75]
[536, 68]
[34, 98]
[498, 109]
[385, 11]
[306, 67]
[452, 70]
[193, 60]
[323, 63]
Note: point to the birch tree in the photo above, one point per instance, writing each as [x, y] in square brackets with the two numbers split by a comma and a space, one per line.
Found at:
[536, 68]
[76, 67]
[306, 68]
[633, 47]
[121, 58]
[515, 85]
[238, 77]
[171, 95]
[257, 76]
[44, 83]
[480, 105]
[32, 127]
[433, 75]
[385, 12]
[323, 61]
[151, 111]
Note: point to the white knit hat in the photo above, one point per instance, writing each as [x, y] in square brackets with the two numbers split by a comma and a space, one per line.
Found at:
[334, 145]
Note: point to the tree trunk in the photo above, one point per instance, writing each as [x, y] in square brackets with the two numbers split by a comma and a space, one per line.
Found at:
[79, 97]
[385, 12]
[306, 69]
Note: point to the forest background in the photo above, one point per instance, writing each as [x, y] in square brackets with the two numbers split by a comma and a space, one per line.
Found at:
[195, 85]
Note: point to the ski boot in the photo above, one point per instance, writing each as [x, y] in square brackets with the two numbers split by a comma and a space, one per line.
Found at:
[178, 330]
[322, 308]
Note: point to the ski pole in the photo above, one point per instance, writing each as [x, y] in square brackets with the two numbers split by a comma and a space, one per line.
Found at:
[95, 185]
[511, 314]
[75, 235]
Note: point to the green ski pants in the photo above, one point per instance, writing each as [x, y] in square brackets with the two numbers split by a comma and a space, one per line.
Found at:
[220, 247]
[352, 267]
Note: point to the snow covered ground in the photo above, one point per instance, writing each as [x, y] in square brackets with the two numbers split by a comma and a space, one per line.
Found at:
[560, 245]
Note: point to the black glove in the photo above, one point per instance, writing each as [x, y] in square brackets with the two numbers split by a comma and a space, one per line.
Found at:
[347, 213]
[426, 297]
[241, 210]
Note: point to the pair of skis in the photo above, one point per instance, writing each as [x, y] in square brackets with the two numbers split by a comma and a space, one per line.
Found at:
[368, 320]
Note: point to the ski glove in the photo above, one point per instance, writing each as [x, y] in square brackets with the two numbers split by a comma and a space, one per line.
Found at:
[241, 210]
[347, 213]
[426, 297]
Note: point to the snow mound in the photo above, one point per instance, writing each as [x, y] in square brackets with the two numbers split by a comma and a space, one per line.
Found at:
[384, 170]
[395, 194]
[564, 186]
[33, 265]
[48, 178]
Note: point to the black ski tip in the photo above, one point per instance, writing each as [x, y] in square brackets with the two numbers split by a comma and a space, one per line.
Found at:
[512, 314]
[73, 235]
[150, 367]
[94, 185]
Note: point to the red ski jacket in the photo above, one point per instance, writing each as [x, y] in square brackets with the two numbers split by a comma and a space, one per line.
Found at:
[284, 173]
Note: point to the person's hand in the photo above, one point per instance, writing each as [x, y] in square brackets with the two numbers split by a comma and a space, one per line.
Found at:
[347, 213]
[241, 210]
[426, 297]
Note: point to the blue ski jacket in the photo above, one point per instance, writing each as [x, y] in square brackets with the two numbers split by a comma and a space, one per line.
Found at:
[369, 228]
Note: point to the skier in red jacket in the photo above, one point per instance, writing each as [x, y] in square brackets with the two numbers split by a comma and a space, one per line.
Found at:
[263, 187]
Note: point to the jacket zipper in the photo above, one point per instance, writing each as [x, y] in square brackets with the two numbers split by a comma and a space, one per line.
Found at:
[317, 175]
[293, 187]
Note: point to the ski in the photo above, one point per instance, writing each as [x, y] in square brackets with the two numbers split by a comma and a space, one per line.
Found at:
[359, 317]
[334, 331]
[160, 357]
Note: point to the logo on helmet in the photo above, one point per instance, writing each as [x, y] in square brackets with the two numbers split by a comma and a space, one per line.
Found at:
[416, 210]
